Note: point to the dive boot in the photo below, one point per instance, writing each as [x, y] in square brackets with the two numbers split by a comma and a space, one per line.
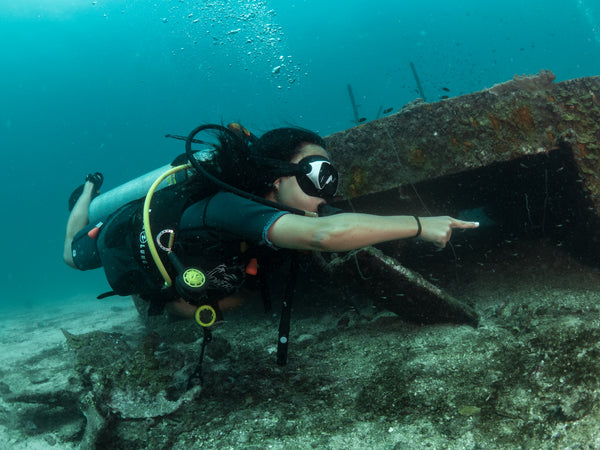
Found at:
[96, 179]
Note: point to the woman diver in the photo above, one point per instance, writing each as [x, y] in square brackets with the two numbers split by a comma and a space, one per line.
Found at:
[224, 232]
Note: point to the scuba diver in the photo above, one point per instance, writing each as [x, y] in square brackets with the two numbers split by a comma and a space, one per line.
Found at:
[235, 202]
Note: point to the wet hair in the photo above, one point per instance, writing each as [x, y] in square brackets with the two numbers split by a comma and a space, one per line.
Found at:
[249, 163]
[284, 143]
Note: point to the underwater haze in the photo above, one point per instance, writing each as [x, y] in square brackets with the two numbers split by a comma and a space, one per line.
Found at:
[95, 85]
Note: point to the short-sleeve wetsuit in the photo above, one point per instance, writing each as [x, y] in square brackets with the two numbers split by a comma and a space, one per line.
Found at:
[221, 234]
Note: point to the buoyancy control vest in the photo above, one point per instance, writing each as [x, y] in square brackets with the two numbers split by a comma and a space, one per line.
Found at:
[123, 244]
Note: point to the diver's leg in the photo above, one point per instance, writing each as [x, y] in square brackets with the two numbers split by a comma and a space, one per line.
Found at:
[78, 219]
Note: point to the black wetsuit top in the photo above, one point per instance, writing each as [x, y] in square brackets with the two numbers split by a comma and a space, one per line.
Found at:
[220, 234]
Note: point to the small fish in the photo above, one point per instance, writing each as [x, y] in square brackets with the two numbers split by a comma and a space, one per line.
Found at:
[388, 110]
[362, 119]
[445, 89]
[444, 97]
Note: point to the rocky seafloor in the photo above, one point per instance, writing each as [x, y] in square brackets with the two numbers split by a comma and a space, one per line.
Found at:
[527, 377]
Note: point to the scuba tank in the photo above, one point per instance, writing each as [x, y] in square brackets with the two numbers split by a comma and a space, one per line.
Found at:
[108, 202]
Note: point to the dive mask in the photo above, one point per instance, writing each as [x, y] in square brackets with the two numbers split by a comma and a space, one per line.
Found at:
[317, 177]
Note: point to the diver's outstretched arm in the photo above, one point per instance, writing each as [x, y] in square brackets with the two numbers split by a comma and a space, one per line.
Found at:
[350, 231]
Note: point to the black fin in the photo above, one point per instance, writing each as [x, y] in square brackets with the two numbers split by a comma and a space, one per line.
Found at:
[96, 179]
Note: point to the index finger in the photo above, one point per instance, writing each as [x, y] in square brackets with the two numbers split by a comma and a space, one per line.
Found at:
[463, 224]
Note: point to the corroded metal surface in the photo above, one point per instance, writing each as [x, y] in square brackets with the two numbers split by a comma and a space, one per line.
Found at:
[399, 289]
[522, 117]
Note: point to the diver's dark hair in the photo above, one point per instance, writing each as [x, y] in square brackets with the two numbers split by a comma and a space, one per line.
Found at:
[248, 162]
[284, 143]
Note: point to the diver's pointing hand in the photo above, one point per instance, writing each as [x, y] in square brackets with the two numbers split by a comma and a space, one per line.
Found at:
[462, 224]
[438, 230]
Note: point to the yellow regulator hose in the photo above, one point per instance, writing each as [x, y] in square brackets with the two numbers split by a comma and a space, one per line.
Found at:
[146, 219]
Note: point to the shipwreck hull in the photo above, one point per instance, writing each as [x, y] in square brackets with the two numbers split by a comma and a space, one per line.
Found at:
[525, 153]
[524, 117]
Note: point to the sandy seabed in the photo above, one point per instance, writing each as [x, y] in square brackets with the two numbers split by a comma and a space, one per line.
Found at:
[527, 377]
[34, 360]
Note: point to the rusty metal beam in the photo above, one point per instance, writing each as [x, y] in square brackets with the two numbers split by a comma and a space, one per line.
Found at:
[396, 288]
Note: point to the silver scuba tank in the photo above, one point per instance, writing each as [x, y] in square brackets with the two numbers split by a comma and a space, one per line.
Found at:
[108, 202]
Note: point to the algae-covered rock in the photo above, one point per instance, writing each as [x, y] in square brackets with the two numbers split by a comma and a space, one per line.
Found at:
[106, 360]
[98, 349]
[130, 381]
[140, 404]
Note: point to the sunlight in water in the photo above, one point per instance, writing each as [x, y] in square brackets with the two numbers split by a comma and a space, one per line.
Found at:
[47, 9]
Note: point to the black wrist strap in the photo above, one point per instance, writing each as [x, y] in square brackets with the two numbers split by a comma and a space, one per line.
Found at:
[419, 227]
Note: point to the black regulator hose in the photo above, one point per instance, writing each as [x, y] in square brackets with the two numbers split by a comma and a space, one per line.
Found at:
[225, 186]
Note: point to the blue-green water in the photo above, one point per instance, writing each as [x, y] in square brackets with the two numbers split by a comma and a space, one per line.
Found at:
[94, 86]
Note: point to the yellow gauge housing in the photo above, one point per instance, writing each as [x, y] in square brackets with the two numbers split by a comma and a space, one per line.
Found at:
[205, 310]
[193, 277]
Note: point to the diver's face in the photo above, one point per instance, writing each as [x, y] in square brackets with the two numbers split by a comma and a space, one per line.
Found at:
[288, 192]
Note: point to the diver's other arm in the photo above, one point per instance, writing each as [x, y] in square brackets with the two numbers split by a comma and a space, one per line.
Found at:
[181, 308]
[349, 231]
